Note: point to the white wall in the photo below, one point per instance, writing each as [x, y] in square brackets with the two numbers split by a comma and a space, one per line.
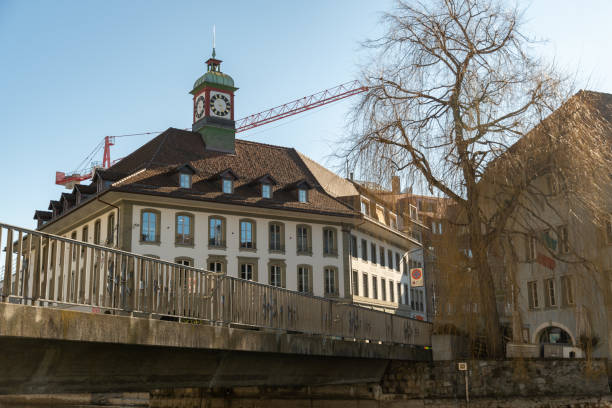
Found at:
[167, 249]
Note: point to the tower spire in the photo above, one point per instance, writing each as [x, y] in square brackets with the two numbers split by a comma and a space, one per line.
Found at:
[214, 54]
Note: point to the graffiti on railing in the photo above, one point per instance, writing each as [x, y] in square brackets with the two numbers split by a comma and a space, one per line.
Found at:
[53, 271]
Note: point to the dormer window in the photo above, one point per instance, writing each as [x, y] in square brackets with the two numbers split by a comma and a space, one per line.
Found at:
[303, 195]
[266, 190]
[228, 186]
[185, 180]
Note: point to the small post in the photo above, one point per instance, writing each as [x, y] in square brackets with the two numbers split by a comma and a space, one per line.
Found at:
[463, 367]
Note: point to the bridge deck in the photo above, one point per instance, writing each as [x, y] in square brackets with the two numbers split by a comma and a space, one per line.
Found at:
[54, 272]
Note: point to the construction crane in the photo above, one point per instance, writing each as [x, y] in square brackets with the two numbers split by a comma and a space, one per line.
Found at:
[259, 119]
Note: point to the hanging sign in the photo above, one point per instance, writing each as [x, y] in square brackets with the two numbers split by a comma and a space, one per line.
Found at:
[416, 277]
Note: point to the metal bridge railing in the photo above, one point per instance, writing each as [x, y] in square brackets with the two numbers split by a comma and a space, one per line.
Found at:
[54, 271]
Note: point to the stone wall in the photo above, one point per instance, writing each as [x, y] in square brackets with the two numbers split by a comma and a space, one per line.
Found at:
[509, 384]
[489, 378]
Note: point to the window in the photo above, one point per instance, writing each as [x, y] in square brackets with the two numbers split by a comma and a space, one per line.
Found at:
[393, 221]
[382, 256]
[397, 262]
[532, 293]
[97, 232]
[185, 180]
[405, 293]
[304, 279]
[355, 283]
[353, 246]
[149, 226]
[303, 235]
[246, 271]
[277, 273]
[567, 288]
[184, 229]
[373, 252]
[609, 230]
[247, 234]
[110, 230]
[414, 214]
[330, 247]
[184, 261]
[399, 293]
[563, 238]
[380, 214]
[216, 232]
[436, 227]
[330, 280]
[364, 249]
[412, 299]
[391, 291]
[383, 289]
[302, 195]
[366, 291]
[551, 299]
[390, 258]
[215, 266]
[365, 207]
[85, 234]
[266, 191]
[530, 249]
[405, 266]
[73, 236]
[276, 237]
[374, 287]
[228, 186]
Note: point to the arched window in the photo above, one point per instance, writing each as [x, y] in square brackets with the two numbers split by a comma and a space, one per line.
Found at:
[303, 240]
[247, 234]
[184, 229]
[149, 226]
[277, 271]
[330, 244]
[330, 281]
[216, 232]
[554, 335]
[277, 237]
[110, 229]
[97, 232]
[304, 278]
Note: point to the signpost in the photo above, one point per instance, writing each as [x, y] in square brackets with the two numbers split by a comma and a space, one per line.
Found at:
[464, 367]
[416, 277]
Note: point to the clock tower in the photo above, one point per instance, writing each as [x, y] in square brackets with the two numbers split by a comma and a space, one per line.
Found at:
[213, 108]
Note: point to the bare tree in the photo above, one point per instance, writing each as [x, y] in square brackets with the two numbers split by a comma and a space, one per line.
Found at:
[452, 85]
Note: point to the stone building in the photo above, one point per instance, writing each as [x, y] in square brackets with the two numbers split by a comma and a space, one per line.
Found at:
[553, 287]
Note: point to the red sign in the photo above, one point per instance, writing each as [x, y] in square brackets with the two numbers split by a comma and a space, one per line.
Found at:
[545, 261]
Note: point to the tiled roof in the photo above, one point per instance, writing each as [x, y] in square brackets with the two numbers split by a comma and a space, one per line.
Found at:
[151, 169]
[42, 215]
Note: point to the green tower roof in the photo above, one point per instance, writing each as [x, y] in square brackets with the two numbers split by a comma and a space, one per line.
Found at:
[216, 78]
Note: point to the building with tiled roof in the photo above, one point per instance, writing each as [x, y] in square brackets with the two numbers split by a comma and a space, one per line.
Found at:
[251, 210]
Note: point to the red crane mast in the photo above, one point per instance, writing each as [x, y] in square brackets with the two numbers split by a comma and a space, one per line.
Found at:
[262, 118]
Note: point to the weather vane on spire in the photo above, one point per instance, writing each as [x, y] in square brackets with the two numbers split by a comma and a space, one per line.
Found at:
[214, 53]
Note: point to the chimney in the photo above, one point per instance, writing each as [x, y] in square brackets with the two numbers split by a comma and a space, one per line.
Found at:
[351, 176]
[395, 185]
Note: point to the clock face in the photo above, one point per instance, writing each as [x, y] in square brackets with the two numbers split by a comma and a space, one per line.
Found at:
[220, 104]
[199, 107]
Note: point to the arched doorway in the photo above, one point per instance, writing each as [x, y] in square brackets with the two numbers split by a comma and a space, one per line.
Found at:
[554, 335]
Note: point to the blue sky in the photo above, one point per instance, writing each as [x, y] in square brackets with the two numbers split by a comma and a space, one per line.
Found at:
[72, 72]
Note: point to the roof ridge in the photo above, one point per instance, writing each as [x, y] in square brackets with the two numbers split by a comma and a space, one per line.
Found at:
[263, 144]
